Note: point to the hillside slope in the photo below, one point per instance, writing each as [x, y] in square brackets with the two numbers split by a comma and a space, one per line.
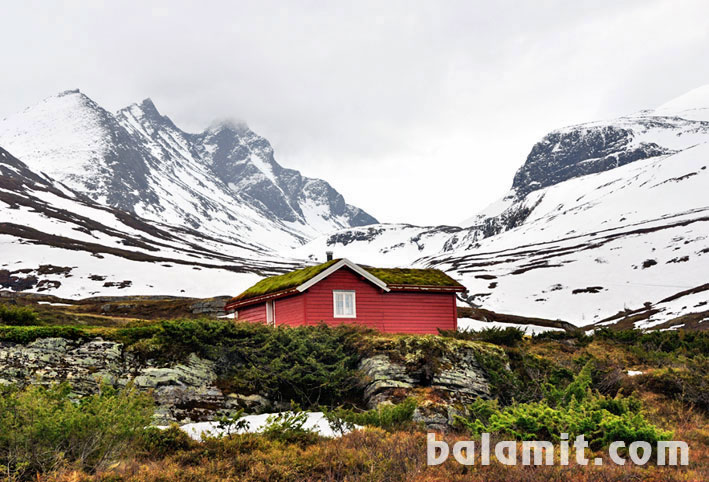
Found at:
[57, 241]
[602, 217]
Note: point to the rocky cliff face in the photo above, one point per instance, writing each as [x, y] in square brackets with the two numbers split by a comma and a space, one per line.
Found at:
[596, 147]
[565, 155]
[458, 384]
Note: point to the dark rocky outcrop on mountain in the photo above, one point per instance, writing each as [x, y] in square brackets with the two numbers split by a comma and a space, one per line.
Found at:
[590, 148]
[565, 155]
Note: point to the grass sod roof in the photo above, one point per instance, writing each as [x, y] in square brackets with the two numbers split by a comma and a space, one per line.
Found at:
[284, 281]
[390, 276]
[413, 277]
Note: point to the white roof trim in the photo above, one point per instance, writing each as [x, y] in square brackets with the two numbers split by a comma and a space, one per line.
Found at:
[343, 262]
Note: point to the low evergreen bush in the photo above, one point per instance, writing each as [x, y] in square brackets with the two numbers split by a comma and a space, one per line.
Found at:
[44, 429]
[508, 336]
[576, 410]
[17, 316]
[386, 416]
[27, 334]
[158, 442]
[289, 427]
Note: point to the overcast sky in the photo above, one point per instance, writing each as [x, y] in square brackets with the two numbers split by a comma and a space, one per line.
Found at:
[417, 112]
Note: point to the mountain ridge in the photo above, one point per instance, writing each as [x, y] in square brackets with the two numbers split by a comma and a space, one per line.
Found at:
[139, 161]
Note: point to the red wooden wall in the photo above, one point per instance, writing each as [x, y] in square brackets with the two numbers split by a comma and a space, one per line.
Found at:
[253, 313]
[290, 311]
[393, 312]
[411, 312]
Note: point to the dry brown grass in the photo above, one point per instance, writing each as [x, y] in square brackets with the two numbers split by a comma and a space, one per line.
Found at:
[377, 455]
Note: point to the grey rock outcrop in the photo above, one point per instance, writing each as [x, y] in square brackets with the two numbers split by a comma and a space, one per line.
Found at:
[183, 391]
[462, 380]
[458, 381]
[444, 375]
[210, 307]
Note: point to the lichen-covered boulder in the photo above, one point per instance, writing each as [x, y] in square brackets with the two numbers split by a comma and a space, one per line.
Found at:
[449, 368]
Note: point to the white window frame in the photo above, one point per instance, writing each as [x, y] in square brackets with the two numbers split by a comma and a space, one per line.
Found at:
[271, 313]
[334, 303]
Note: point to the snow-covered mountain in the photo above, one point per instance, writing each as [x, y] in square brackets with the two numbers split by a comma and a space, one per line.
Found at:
[224, 182]
[55, 240]
[602, 218]
[606, 222]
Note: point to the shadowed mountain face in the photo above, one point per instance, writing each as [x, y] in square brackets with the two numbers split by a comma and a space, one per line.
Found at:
[224, 181]
[565, 155]
[596, 147]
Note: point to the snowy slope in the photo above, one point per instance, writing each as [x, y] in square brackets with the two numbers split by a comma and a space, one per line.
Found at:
[598, 244]
[602, 217]
[57, 241]
[692, 105]
[224, 181]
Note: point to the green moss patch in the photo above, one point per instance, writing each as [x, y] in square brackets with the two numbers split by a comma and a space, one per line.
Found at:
[413, 277]
[284, 281]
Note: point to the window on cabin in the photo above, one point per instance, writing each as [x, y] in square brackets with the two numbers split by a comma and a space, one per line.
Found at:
[270, 313]
[344, 304]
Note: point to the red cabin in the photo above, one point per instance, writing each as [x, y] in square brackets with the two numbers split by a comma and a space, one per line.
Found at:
[389, 299]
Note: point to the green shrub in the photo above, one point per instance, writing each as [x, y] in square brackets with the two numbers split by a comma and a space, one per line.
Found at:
[288, 427]
[553, 335]
[388, 417]
[689, 343]
[509, 336]
[688, 384]
[134, 334]
[158, 443]
[17, 316]
[27, 334]
[521, 376]
[575, 410]
[44, 429]
[310, 365]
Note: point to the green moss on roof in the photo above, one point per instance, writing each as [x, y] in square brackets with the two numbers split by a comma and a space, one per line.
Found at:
[390, 276]
[284, 281]
[416, 277]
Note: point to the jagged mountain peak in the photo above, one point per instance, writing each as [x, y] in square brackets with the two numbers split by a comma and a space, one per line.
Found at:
[224, 180]
[147, 106]
[147, 113]
[68, 92]
[229, 125]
